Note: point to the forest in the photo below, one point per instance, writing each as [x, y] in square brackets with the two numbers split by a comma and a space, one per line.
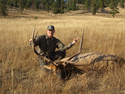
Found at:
[61, 6]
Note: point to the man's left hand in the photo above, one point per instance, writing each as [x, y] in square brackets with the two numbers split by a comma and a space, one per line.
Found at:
[75, 40]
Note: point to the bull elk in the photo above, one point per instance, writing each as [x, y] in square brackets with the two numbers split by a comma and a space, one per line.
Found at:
[83, 62]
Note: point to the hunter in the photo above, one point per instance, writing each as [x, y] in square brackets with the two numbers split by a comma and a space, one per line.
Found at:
[47, 45]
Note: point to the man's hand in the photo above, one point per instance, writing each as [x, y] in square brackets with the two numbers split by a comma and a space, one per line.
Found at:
[75, 40]
[30, 40]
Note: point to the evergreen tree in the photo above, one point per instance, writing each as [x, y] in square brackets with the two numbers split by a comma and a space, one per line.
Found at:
[97, 4]
[88, 4]
[55, 8]
[107, 2]
[36, 2]
[29, 3]
[102, 5]
[21, 5]
[14, 2]
[9, 3]
[122, 3]
[58, 3]
[47, 7]
[62, 6]
[43, 4]
[93, 7]
[51, 3]
[113, 7]
[3, 8]
[68, 9]
[73, 5]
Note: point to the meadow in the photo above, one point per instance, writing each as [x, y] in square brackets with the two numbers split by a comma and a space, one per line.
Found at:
[19, 69]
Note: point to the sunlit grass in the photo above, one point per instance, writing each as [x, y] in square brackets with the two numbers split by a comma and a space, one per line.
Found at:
[19, 69]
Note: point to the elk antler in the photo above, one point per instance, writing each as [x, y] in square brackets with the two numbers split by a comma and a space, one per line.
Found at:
[80, 50]
[33, 39]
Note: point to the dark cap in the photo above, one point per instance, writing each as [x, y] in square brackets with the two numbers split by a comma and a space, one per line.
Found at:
[50, 27]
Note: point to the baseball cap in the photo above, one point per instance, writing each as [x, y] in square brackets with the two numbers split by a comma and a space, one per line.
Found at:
[50, 27]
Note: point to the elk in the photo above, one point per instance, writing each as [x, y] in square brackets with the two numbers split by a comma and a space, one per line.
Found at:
[83, 62]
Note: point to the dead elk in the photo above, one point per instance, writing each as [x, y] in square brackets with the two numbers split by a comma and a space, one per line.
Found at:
[96, 62]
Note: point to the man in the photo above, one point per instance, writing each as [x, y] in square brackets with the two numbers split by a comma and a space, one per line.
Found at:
[47, 45]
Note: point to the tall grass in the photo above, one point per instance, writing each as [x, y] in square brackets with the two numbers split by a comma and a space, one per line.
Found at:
[19, 69]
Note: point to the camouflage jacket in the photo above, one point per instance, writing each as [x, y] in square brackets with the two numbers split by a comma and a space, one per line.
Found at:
[46, 45]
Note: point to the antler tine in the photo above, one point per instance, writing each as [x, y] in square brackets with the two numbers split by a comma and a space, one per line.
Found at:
[80, 48]
[36, 34]
[81, 40]
[33, 37]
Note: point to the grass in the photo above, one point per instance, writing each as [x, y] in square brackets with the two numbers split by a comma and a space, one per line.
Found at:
[19, 69]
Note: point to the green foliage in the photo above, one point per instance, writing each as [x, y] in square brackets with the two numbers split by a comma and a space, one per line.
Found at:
[36, 2]
[9, 3]
[58, 2]
[122, 3]
[113, 7]
[77, 8]
[3, 8]
[51, 2]
[55, 8]
[88, 4]
[68, 9]
[21, 5]
[102, 4]
[29, 3]
[73, 5]
[62, 6]
[93, 7]
[47, 7]
[97, 4]
[44, 4]
[35, 17]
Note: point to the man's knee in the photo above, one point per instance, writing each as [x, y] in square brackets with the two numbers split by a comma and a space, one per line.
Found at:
[58, 55]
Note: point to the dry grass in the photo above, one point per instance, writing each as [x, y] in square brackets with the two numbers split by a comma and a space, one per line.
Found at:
[19, 69]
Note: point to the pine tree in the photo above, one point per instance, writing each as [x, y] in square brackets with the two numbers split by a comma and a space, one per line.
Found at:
[122, 3]
[29, 3]
[102, 5]
[47, 7]
[73, 5]
[3, 8]
[21, 5]
[36, 2]
[68, 9]
[62, 6]
[55, 8]
[88, 4]
[58, 3]
[97, 4]
[51, 2]
[44, 4]
[9, 3]
[113, 7]
[93, 7]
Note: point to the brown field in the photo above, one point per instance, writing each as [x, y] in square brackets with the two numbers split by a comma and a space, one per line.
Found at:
[19, 69]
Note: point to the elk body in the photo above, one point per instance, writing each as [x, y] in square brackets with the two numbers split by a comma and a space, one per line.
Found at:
[95, 62]
[83, 62]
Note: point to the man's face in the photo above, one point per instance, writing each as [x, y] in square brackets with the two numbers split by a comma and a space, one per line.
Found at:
[50, 33]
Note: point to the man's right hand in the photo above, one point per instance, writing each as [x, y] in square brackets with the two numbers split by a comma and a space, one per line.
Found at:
[30, 40]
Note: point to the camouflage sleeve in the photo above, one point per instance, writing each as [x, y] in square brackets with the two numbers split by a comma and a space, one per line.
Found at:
[37, 40]
[61, 46]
